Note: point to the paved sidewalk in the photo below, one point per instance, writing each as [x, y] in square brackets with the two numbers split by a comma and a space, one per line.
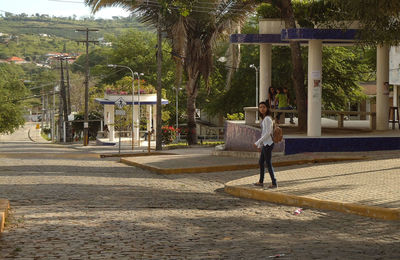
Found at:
[363, 183]
[206, 160]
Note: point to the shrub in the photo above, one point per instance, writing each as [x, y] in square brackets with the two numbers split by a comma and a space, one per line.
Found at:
[168, 134]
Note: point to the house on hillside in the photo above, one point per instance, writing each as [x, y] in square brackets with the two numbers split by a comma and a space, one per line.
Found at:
[16, 60]
[52, 57]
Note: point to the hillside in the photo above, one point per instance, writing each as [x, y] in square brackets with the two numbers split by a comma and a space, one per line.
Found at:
[64, 27]
[31, 38]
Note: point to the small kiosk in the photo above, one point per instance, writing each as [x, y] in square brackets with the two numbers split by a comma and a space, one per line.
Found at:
[145, 100]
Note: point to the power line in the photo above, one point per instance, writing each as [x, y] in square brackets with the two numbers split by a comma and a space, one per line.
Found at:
[66, 1]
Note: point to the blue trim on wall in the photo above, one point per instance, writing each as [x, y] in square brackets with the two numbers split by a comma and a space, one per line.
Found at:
[353, 144]
[319, 34]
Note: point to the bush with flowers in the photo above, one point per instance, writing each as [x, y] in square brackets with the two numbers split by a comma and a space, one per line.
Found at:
[168, 134]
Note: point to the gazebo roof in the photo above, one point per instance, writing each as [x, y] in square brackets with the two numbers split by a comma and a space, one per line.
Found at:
[328, 36]
[145, 99]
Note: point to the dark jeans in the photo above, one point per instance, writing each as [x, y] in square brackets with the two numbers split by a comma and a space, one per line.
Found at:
[265, 157]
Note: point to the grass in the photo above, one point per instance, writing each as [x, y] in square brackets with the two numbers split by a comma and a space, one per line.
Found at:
[185, 145]
[45, 136]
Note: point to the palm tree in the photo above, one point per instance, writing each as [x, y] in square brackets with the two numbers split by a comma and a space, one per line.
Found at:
[193, 28]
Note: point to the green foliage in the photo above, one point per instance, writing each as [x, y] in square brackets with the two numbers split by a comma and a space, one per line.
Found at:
[266, 10]
[342, 69]
[379, 20]
[33, 47]
[12, 92]
[235, 116]
[45, 133]
[65, 27]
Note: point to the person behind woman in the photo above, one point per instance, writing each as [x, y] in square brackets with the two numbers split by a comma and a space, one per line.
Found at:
[265, 144]
[271, 97]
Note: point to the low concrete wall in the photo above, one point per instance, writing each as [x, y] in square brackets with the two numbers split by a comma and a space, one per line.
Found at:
[241, 137]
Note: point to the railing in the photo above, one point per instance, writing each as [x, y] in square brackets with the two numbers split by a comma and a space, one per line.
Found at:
[251, 115]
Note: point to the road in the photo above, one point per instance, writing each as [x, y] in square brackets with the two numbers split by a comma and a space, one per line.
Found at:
[68, 204]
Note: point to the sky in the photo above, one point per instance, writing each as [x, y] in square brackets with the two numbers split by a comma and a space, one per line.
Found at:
[57, 8]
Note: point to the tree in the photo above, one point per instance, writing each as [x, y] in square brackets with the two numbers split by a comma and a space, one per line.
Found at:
[12, 94]
[379, 19]
[193, 29]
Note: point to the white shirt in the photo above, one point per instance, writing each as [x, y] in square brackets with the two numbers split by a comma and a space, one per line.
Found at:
[266, 131]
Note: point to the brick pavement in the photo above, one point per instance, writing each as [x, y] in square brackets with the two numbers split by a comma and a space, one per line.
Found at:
[101, 209]
[92, 208]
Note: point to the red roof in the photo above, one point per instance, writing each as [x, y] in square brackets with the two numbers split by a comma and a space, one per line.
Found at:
[14, 59]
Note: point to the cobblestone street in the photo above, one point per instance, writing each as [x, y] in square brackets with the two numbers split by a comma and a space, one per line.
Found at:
[67, 205]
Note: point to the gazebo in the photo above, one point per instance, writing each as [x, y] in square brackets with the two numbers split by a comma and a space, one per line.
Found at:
[273, 32]
[147, 100]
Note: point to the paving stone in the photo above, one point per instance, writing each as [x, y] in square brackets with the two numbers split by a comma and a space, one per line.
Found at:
[95, 208]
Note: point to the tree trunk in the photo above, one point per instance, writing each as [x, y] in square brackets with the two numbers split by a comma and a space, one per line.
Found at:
[192, 90]
[297, 72]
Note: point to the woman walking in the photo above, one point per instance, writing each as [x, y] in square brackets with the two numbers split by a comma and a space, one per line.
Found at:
[266, 145]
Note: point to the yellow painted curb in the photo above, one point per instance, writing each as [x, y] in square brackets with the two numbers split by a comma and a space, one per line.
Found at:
[294, 200]
[4, 206]
[232, 167]
[134, 154]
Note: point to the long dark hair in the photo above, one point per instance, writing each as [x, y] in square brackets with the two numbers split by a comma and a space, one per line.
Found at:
[268, 111]
[270, 94]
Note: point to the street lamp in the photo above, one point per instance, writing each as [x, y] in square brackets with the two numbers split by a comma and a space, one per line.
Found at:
[254, 67]
[177, 105]
[133, 93]
[138, 119]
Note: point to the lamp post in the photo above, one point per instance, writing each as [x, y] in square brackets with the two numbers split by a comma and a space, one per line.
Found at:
[177, 106]
[256, 68]
[138, 119]
[133, 93]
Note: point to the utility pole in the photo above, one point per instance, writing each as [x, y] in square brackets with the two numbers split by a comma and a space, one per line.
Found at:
[68, 90]
[86, 116]
[60, 107]
[159, 86]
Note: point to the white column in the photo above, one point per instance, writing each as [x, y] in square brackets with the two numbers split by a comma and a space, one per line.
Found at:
[148, 117]
[265, 70]
[382, 92]
[136, 124]
[314, 87]
[109, 120]
[396, 100]
[154, 112]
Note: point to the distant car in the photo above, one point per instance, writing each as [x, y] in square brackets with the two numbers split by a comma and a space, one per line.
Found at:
[39, 118]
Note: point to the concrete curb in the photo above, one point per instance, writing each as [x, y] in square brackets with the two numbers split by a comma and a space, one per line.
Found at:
[300, 201]
[205, 169]
[29, 136]
[4, 207]
[235, 167]
[133, 154]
